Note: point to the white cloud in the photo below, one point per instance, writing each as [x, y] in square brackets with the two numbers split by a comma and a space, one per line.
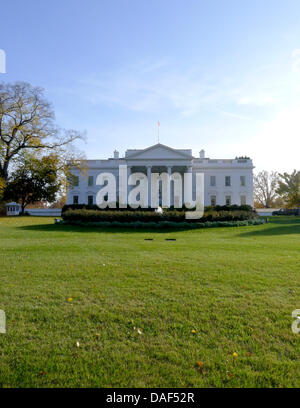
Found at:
[149, 90]
[257, 100]
[164, 87]
[235, 115]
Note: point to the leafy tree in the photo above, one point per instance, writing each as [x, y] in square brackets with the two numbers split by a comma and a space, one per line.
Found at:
[27, 124]
[265, 185]
[289, 188]
[34, 179]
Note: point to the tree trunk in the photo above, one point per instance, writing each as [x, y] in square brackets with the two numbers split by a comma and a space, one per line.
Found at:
[4, 170]
[23, 205]
[4, 174]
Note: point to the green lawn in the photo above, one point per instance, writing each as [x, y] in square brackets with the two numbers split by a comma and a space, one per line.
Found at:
[64, 287]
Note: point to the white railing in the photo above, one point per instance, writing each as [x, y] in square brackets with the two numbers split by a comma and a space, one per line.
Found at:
[44, 212]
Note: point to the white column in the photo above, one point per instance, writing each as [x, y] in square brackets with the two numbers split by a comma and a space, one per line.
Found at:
[128, 187]
[149, 185]
[189, 170]
[170, 190]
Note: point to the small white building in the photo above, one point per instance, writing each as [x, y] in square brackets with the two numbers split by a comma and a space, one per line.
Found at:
[12, 209]
[226, 181]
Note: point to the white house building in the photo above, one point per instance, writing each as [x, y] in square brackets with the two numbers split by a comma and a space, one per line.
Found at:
[225, 181]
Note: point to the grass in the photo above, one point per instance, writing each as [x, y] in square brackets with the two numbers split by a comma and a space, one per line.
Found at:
[202, 298]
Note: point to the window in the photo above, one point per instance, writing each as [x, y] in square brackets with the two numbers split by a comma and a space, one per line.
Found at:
[213, 200]
[75, 199]
[74, 181]
[227, 181]
[90, 200]
[212, 180]
[243, 200]
[228, 200]
[243, 181]
[91, 181]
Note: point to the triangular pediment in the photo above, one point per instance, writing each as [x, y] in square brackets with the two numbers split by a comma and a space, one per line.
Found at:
[159, 151]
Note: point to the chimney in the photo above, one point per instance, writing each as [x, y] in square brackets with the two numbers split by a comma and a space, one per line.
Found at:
[116, 154]
[202, 154]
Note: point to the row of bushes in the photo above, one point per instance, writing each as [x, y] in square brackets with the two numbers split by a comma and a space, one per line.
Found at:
[233, 207]
[209, 208]
[94, 207]
[166, 224]
[85, 215]
[287, 211]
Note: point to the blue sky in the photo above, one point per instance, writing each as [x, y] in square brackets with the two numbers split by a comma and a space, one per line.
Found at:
[219, 75]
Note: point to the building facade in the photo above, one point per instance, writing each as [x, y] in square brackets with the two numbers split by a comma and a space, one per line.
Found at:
[226, 181]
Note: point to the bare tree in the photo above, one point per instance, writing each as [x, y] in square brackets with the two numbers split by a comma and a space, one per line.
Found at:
[265, 186]
[27, 123]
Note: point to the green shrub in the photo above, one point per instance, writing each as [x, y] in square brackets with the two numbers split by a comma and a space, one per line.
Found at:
[233, 207]
[94, 207]
[209, 208]
[86, 215]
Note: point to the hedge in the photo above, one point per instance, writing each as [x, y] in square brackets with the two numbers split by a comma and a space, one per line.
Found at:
[233, 207]
[166, 224]
[209, 208]
[94, 207]
[85, 215]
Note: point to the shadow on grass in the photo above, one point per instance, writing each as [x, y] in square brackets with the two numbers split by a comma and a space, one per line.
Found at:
[276, 226]
[83, 229]
[285, 225]
[117, 229]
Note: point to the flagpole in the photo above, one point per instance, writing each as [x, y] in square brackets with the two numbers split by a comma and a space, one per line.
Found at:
[158, 124]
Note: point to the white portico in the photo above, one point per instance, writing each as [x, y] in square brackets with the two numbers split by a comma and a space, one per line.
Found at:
[225, 181]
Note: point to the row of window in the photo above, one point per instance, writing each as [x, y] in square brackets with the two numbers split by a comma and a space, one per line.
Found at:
[75, 181]
[90, 199]
[213, 181]
[213, 200]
